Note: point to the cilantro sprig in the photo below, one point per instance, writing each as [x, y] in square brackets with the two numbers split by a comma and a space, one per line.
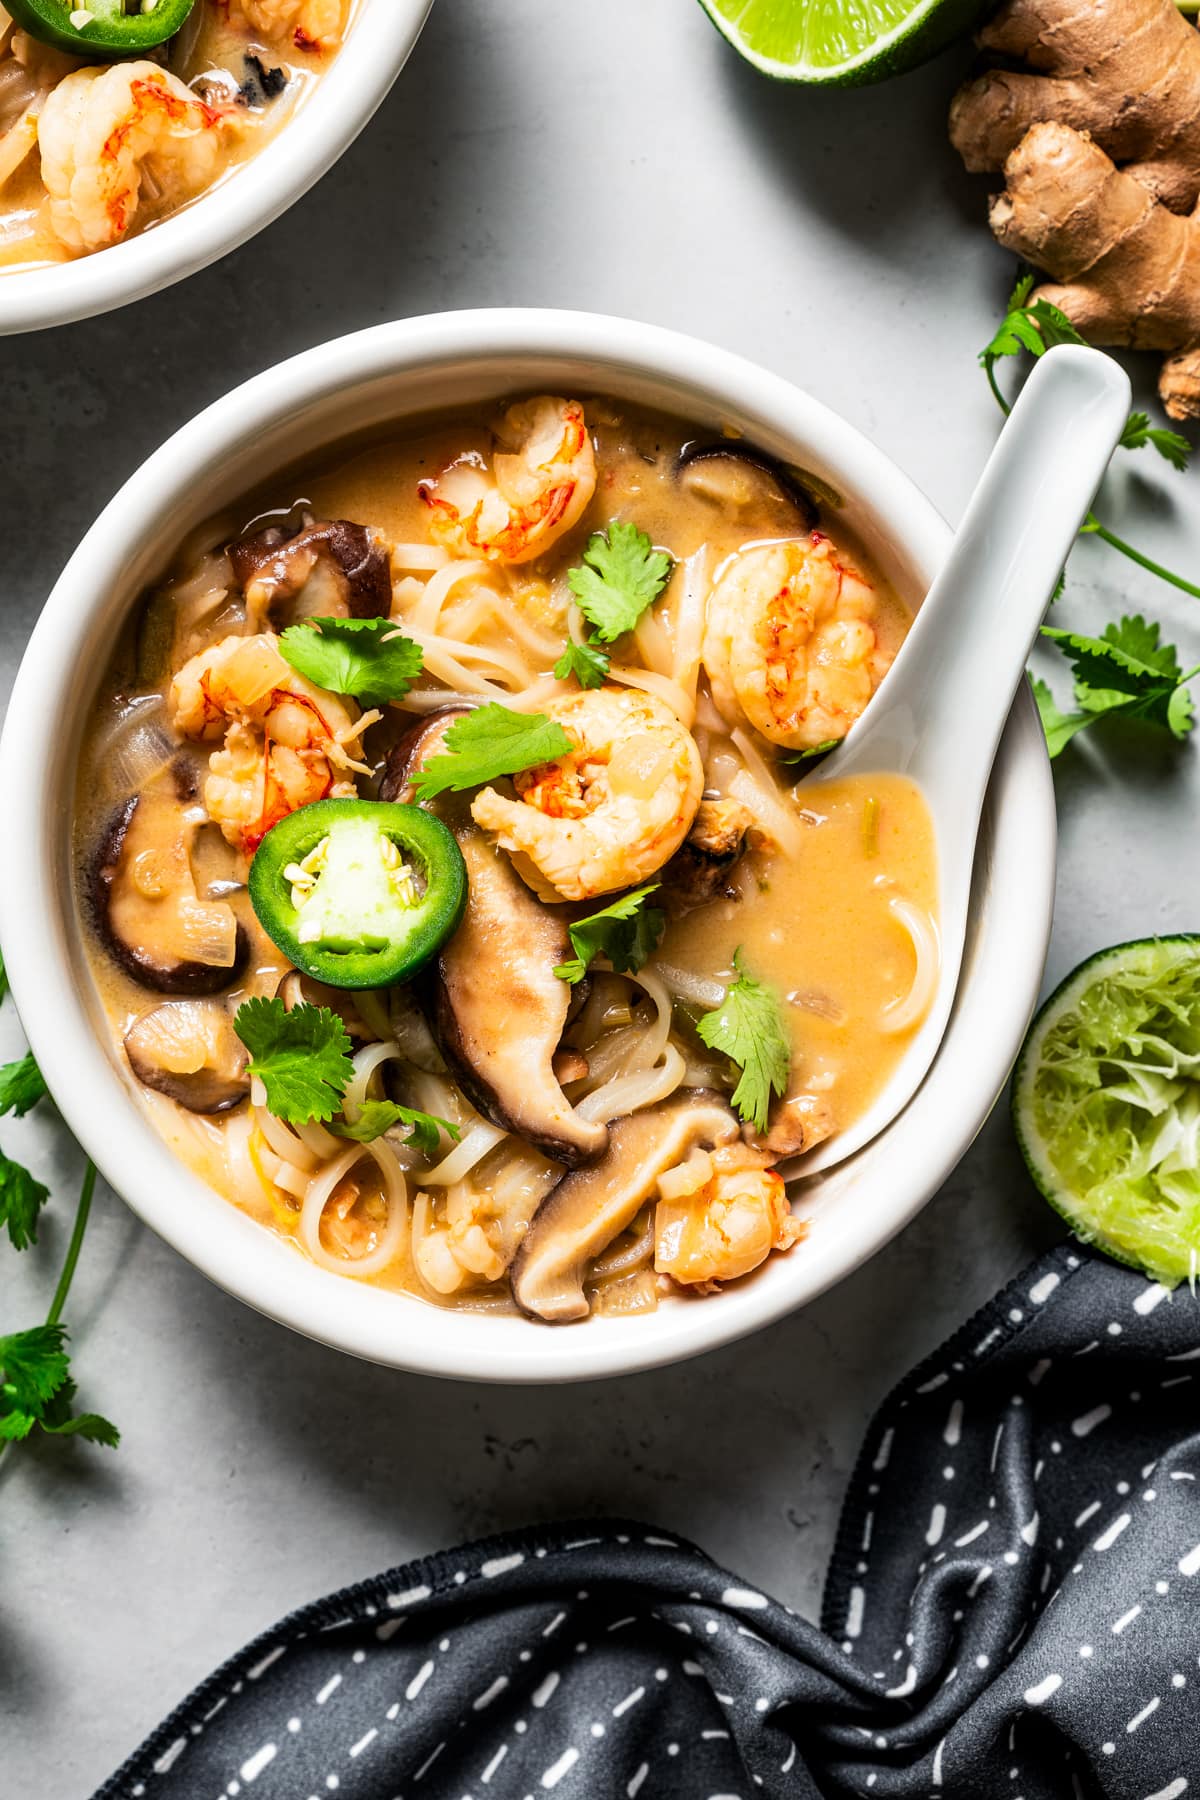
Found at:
[369, 659]
[621, 574]
[627, 933]
[301, 1056]
[1126, 671]
[489, 742]
[377, 1116]
[748, 1028]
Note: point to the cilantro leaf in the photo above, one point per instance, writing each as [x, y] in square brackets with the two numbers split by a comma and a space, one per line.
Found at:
[1022, 288]
[1126, 670]
[1059, 727]
[1035, 328]
[1172, 445]
[627, 932]
[21, 1200]
[377, 1116]
[35, 1365]
[302, 1057]
[620, 576]
[813, 751]
[492, 740]
[3, 978]
[370, 659]
[587, 662]
[58, 1419]
[22, 1085]
[748, 1027]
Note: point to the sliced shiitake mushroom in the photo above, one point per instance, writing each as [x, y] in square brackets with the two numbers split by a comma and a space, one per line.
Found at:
[497, 1008]
[700, 869]
[144, 899]
[729, 470]
[188, 1050]
[590, 1207]
[331, 568]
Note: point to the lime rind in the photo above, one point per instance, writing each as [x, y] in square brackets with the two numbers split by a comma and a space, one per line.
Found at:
[840, 42]
[1106, 1104]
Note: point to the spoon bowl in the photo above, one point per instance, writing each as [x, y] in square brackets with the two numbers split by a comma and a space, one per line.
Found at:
[939, 712]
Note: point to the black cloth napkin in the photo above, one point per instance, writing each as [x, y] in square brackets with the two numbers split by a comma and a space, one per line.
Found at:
[1012, 1613]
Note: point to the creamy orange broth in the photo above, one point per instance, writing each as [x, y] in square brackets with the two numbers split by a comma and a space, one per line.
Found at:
[817, 926]
[209, 55]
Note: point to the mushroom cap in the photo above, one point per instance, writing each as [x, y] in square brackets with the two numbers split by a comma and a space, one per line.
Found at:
[348, 569]
[188, 1050]
[145, 847]
[590, 1207]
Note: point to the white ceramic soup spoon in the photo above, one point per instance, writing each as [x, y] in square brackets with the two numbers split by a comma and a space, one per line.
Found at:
[940, 710]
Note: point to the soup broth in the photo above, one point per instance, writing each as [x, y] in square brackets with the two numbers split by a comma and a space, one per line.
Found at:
[611, 1143]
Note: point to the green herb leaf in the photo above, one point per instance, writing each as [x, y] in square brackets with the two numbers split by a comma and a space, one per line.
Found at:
[1035, 328]
[21, 1085]
[587, 662]
[58, 1419]
[21, 1200]
[1127, 670]
[748, 1027]
[3, 979]
[35, 1365]
[1172, 445]
[491, 741]
[620, 576]
[627, 932]
[1059, 727]
[370, 659]
[302, 1057]
[377, 1116]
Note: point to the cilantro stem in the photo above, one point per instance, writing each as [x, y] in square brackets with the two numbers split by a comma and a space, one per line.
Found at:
[73, 1248]
[1096, 529]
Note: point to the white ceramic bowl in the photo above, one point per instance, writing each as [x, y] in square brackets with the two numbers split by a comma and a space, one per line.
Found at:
[384, 375]
[331, 117]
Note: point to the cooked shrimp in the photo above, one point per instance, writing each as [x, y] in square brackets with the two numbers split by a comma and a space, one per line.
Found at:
[311, 24]
[720, 1215]
[613, 810]
[543, 475]
[790, 642]
[285, 742]
[111, 136]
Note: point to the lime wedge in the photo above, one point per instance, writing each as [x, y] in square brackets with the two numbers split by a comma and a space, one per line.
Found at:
[1106, 1104]
[840, 43]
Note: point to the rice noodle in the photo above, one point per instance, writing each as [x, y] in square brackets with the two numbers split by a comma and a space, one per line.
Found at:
[319, 1193]
[365, 1062]
[317, 1139]
[439, 586]
[629, 1093]
[661, 686]
[472, 1148]
[283, 1140]
[435, 644]
[900, 1015]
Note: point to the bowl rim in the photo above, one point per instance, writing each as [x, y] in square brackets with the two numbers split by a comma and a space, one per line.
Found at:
[254, 194]
[37, 929]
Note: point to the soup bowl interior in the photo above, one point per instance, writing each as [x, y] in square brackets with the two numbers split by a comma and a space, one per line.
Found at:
[254, 193]
[380, 379]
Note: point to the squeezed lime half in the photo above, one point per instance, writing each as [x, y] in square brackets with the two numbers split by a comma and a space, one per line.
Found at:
[1106, 1104]
[840, 42]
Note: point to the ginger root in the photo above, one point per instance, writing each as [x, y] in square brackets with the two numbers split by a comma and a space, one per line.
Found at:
[1108, 82]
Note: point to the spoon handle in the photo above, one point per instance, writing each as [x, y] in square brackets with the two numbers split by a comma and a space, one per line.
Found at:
[941, 708]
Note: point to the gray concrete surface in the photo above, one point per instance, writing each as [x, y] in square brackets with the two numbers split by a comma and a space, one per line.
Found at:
[614, 157]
